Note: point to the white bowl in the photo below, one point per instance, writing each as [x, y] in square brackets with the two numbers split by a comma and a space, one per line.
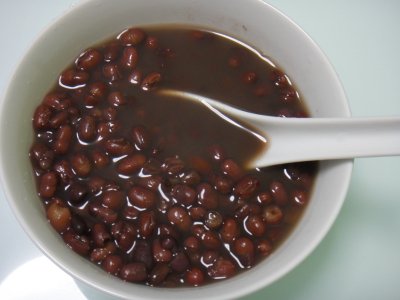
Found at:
[251, 21]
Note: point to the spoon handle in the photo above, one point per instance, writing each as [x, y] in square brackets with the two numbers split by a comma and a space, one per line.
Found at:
[328, 138]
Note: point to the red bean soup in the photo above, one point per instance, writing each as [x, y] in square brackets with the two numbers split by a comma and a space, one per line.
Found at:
[153, 188]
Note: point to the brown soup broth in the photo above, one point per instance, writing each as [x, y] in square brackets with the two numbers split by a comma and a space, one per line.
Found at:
[152, 188]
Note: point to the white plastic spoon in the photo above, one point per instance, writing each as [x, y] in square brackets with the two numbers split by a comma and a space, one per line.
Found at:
[308, 139]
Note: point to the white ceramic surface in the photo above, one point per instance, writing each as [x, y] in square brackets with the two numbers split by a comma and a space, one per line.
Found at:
[257, 24]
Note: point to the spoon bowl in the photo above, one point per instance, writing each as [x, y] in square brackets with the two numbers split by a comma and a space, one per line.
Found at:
[308, 139]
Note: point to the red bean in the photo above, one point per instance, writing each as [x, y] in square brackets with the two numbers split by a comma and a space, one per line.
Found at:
[111, 72]
[255, 225]
[222, 268]
[150, 81]
[77, 192]
[160, 254]
[112, 51]
[78, 243]
[142, 197]
[131, 164]
[223, 184]
[183, 194]
[133, 272]
[88, 60]
[64, 171]
[173, 165]
[129, 58]
[116, 99]
[142, 253]
[113, 199]
[152, 43]
[42, 155]
[209, 257]
[197, 213]
[132, 36]
[249, 77]
[180, 262]
[104, 214]
[112, 264]
[264, 247]
[279, 193]
[213, 219]
[191, 178]
[207, 196]
[124, 234]
[63, 139]
[56, 101]
[58, 215]
[100, 159]
[73, 79]
[231, 169]
[210, 240]
[87, 129]
[41, 117]
[264, 198]
[229, 230]
[100, 235]
[147, 223]
[300, 197]
[200, 164]
[140, 137]
[59, 119]
[179, 217]
[97, 91]
[159, 273]
[194, 276]
[118, 147]
[48, 184]
[246, 187]
[135, 77]
[272, 214]
[244, 249]
[81, 164]
[130, 213]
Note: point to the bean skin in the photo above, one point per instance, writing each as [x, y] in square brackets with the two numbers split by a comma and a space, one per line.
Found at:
[222, 268]
[100, 234]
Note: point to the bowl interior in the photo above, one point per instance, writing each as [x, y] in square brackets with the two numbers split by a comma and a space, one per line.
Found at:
[251, 21]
